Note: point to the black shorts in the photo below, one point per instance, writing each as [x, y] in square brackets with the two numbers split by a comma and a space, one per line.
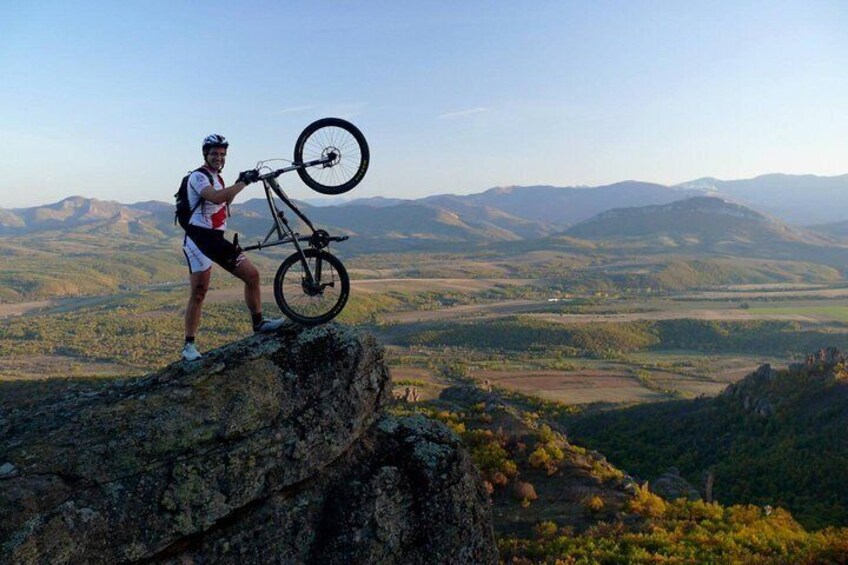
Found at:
[203, 246]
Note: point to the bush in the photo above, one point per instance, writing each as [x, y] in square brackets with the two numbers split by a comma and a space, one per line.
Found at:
[524, 491]
[539, 458]
[646, 503]
[545, 529]
[593, 503]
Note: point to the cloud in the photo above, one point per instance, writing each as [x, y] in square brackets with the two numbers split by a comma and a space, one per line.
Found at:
[462, 113]
[347, 110]
[292, 110]
[339, 110]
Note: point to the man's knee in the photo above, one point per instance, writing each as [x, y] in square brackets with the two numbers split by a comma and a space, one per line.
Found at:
[248, 273]
[252, 276]
[198, 293]
[199, 286]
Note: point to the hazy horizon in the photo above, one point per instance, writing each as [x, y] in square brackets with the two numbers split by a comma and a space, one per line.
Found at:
[112, 101]
[321, 199]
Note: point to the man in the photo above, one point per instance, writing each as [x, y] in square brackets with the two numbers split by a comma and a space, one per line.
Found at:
[204, 241]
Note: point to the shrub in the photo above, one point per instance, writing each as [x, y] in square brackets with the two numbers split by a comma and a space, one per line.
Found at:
[645, 503]
[525, 491]
[545, 529]
[539, 458]
[593, 503]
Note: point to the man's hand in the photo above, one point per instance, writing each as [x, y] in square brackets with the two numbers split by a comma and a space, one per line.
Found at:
[248, 177]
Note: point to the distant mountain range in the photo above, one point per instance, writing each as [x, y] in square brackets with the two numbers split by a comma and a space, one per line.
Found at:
[625, 210]
[497, 214]
[83, 246]
[797, 199]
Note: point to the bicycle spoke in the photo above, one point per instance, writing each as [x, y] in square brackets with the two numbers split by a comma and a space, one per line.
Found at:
[348, 148]
[311, 302]
[349, 155]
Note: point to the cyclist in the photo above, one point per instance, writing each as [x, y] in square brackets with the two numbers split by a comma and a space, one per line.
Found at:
[204, 241]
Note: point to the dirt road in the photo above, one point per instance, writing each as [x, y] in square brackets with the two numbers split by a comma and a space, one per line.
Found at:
[22, 308]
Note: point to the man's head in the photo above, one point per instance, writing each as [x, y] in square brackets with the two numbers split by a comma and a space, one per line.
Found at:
[215, 151]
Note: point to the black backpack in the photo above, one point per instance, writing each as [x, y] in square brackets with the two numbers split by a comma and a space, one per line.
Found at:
[184, 209]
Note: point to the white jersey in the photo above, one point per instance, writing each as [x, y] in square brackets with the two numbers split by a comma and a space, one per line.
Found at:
[208, 214]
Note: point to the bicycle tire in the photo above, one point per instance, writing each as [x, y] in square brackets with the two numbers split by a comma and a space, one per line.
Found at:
[294, 298]
[343, 139]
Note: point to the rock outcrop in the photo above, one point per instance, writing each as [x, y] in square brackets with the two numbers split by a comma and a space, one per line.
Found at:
[766, 390]
[671, 486]
[270, 450]
[754, 391]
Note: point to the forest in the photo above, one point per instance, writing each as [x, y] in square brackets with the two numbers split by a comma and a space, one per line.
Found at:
[529, 467]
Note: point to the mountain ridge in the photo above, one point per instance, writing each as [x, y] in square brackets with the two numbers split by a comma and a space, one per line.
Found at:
[708, 224]
[804, 199]
[498, 214]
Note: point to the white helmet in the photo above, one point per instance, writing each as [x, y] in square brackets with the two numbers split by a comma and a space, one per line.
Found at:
[214, 140]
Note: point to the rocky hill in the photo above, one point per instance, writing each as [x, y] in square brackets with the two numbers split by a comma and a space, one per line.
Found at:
[523, 460]
[272, 449]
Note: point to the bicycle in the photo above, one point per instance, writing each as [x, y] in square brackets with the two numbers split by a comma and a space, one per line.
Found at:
[312, 285]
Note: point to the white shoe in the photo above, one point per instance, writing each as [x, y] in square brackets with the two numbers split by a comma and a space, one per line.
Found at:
[268, 326]
[190, 352]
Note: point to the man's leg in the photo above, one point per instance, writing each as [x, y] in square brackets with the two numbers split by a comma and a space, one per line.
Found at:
[252, 293]
[252, 297]
[199, 286]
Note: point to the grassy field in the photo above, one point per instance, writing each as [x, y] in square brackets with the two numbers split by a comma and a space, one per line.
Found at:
[42, 339]
[631, 379]
[823, 313]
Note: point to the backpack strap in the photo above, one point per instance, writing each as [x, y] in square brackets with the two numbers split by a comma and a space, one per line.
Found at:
[200, 199]
[221, 180]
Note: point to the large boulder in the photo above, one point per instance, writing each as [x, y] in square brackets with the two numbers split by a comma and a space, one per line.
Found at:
[272, 449]
[671, 486]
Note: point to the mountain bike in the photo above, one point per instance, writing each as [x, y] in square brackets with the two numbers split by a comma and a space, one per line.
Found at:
[312, 285]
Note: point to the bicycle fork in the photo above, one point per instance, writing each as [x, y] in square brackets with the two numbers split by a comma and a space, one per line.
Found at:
[312, 281]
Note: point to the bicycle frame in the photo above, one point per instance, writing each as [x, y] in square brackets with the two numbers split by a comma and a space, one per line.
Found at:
[284, 232]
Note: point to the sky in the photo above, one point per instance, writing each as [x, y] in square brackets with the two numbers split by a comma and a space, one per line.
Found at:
[111, 100]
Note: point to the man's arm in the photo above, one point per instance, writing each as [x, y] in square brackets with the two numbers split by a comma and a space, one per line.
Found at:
[222, 196]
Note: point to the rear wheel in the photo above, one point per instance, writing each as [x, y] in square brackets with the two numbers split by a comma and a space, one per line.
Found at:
[345, 147]
[311, 302]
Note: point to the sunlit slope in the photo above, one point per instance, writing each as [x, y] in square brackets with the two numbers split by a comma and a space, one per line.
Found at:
[703, 224]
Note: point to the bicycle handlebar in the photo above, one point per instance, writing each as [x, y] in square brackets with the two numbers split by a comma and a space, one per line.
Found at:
[294, 166]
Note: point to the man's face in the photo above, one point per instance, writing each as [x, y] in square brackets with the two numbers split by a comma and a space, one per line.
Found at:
[215, 157]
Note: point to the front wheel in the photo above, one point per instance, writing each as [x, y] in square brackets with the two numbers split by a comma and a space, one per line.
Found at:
[311, 300]
[343, 150]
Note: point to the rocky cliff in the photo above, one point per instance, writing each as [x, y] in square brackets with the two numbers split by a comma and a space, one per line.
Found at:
[270, 450]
